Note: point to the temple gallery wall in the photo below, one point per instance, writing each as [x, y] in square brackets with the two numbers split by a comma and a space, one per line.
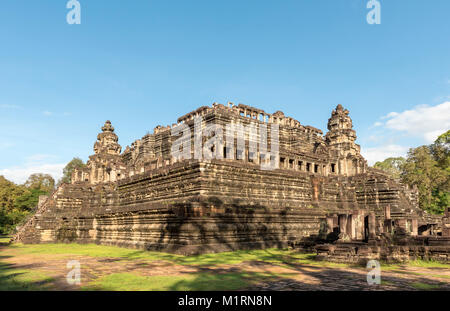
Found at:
[320, 195]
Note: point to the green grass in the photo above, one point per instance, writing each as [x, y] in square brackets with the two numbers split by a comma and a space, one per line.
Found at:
[4, 239]
[194, 281]
[277, 256]
[23, 279]
[414, 263]
[188, 282]
[31, 280]
[280, 257]
[424, 286]
[420, 273]
[439, 276]
[428, 264]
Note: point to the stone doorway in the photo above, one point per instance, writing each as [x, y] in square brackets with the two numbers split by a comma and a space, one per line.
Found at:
[366, 228]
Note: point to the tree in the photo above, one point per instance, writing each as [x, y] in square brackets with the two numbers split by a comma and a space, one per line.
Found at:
[441, 150]
[9, 191]
[43, 182]
[392, 166]
[29, 200]
[18, 201]
[9, 214]
[76, 163]
[427, 168]
[422, 170]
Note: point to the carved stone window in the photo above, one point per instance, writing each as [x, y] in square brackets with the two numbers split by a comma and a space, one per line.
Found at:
[251, 156]
[239, 154]
[291, 163]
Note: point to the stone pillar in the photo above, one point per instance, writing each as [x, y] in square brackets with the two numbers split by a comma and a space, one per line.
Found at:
[358, 216]
[335, 222]
[316, 188]
[387, 228]
[350, 227]
[387, 212]
[414, 227]
[343, 223]
[330, 224]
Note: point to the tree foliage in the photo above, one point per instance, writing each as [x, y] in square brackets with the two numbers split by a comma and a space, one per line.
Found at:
[18, 201]
[393, 166]
[427, 168]
[422, 170]
[9, 213]
[76, 163]
[43, 182]
[441, 151]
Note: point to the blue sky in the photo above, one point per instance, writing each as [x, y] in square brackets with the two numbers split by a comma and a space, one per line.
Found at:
[145, 63]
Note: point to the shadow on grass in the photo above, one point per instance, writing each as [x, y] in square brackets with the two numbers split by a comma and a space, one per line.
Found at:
[269, 269]
[289, 272]
[310, 278]
[13, 278]
[197, 281]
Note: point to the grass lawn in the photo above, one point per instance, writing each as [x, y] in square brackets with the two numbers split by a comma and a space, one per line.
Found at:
[271, 255]
[23, 279]
[190, 282]
[4, 239]
[28, 267]
[414, 263]
[19, 279]
[281, 256]
[424, 286]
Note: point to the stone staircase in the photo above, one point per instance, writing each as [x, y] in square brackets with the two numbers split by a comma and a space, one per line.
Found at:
[28, 232]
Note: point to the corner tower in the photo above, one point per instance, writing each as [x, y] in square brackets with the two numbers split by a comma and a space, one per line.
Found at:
[107, 141]
[106, 164]
[341, 139]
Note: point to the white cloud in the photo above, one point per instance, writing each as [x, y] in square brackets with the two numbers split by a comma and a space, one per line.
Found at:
[376, 124]
[424, 121]
[47, 113]
[380, 153]
[19, 174]
[373, 138]
[37, 163]
[390, 115]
